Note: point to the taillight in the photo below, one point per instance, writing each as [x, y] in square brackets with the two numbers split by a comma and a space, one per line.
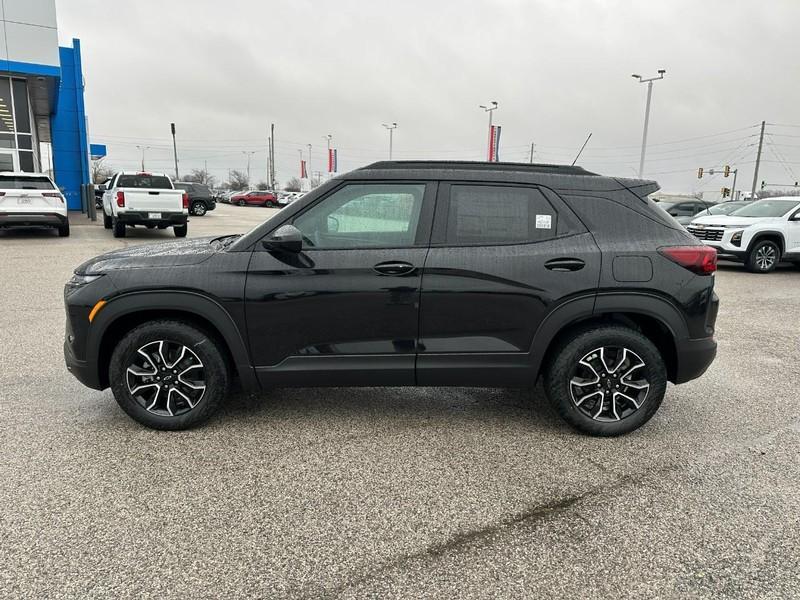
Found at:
[121, 199]
[53, 195]
[185, 200]
[698, 259]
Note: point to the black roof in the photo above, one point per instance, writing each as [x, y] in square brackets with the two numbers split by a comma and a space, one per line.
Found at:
[388, 165]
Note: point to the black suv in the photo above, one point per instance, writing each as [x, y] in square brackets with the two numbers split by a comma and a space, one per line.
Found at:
[201, 200]
[411, 273]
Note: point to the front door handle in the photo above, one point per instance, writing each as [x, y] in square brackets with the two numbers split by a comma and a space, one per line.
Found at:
[395, 268]
[565, 264]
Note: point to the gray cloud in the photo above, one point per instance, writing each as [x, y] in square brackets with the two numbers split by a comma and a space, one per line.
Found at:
[560, 69]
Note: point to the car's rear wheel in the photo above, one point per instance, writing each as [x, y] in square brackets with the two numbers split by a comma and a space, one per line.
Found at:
[269, 204]
[199, 209]
[181, 230]
[606, 381]
[168, 375]
[118, 228]
[763, 257]
[63, 230]
[106, 221]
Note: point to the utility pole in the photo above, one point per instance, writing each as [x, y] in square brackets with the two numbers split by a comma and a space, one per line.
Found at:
[308, 166]
[249, 153]
[758, 161]
[391, 129]
[649, 83]
[272, 155]
[531, 160]
[492, 106]
[174, 152]
[142, 148]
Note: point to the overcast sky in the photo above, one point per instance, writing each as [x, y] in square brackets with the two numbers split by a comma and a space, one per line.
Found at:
[223, 70]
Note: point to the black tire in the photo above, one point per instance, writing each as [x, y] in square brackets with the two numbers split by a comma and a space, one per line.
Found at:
[63, 230]
[565, 363]
[763, 257]
[118, 228]
[213, 372]
[106, 221]
[198, 209]
[242, 203]
[269, 204]
[181, 230]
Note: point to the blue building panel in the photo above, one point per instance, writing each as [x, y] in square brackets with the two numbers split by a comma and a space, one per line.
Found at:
[68, 128]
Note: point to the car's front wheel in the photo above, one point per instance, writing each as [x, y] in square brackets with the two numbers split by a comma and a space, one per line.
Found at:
[106, 220]
[606, 381]
[242, 202]
[763, 257]
[168, 375]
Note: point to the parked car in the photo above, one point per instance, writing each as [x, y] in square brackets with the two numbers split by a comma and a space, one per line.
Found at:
[255, 198]
[201, 199]
[148, 199]
[32, 200]
[411, 273]
[683, 212]
[760, 234]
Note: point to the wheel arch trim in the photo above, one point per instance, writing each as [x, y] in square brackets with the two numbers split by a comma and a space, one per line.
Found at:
[193, 304]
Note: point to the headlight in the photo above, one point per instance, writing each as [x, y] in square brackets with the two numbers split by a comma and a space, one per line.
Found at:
[736, 238]
[78, 281]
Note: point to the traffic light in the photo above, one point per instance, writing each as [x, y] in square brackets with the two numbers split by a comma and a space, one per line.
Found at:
[763, 184]
[726, 192]
[726, 171]
[700, 173]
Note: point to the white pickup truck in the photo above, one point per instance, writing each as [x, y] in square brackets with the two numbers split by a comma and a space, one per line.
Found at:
[761, 234]
[32, 200]
[149, 199]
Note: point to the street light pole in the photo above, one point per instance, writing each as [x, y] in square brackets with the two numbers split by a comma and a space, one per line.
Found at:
[649, 83]
[391, 129]
[143, 148]
[175, 151]
[490, 108]
[249, 153]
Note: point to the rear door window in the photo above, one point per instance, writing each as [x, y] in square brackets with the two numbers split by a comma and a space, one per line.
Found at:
[144, 181]
[493, 214]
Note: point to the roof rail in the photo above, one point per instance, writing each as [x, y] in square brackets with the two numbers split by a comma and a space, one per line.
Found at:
[477, 165]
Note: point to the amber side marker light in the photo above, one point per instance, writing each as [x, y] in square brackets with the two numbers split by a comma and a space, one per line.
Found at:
[96, 309]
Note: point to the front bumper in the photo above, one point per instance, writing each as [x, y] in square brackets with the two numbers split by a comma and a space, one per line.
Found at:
[720, 239]
[82, 371]
[32, 219]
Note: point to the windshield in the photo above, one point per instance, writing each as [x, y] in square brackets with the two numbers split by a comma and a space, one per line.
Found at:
[25, 183]
[726, 208]
[766, 208]
[155, 182]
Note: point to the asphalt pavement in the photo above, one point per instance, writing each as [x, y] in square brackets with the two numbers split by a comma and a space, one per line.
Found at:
[394, 493]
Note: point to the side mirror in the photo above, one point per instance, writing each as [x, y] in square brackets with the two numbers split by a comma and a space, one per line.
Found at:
[286, 238]
[333, 224]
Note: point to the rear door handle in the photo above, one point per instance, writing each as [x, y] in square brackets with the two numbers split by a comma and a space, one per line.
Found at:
[565, 264]
[394, 267]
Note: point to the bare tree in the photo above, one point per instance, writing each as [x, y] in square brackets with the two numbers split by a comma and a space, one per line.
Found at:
[293, 185]
[100, 172]
[201, 176]
[262, 185]
[238, 181]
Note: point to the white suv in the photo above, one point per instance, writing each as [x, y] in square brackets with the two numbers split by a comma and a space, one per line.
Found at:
[32, 200]
[760, 234]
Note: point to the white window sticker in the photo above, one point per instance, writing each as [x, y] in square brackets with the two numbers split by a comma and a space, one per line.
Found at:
[544, 222]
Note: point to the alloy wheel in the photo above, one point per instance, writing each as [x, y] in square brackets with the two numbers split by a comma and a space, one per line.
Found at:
[166, 378]
[199, 209]
[609, 384]
[765, 257]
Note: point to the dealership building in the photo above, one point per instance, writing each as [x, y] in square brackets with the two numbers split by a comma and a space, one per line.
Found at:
[41, 98]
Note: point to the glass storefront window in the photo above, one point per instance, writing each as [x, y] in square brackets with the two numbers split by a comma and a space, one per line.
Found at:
[25, 142]
[6, 115]
[21, 109]
[26, 161]
[7, 141]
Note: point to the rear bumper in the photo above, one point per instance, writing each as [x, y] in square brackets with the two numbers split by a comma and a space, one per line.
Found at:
[142, 218]
[694, 357]
[20, 219]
